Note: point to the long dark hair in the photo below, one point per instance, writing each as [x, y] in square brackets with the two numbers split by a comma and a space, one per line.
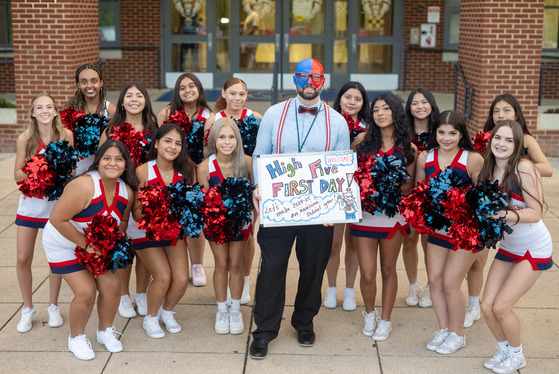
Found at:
[176, 102]
[519, 116]
[129, 175]
[373, 138]
[511, 181]
[149, 119]
[434, 109]
[363, 114]
[456, 120]
[221, 103]
[78, 100]
[182, 163]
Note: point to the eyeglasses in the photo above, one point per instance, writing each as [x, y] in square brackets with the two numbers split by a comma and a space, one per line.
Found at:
[305, 77]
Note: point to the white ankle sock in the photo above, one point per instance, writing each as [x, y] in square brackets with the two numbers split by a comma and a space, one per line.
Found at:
[473, 300]
[222, 307]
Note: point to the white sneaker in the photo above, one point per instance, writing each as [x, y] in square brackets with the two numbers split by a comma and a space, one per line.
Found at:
[452, 343]
[425, 301]
[370, 322]
[511, 364]
[499, 357]
[473, 314]
[168, 318]
[55, 319]
[349, 300]
[198, 275]
[413, 295]
[236, 325]
[27, 316]
[151, 325]
[81, 347]
[109, 340]
[125, 308]
[330, 301]
[383, 329]
[222, 322]
[245, 297]
[440, 337]
[142, 303]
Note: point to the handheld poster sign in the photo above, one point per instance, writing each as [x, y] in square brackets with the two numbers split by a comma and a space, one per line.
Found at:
[308, 188]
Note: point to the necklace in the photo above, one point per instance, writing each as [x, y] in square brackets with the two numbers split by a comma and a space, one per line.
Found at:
[166, 173]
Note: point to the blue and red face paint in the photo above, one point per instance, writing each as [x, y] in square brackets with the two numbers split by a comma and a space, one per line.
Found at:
[308, 66]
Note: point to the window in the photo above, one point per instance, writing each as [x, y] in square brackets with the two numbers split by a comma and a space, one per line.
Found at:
[109, 23]
[5, 24]
[451, 24]
[550, 26]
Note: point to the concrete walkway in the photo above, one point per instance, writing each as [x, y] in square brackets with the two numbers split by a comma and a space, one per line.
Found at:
[340, 346]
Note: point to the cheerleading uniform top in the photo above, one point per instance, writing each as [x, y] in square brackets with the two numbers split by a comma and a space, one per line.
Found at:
[460, 166]
[139, 239]
[85, 163]
[59, 250]
[33, 211]
[380, 226]
[203, 115]
[245, 113]
[216, 177]
[528, 241]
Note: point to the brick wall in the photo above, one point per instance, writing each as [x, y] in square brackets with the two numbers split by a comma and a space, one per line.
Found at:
[51, 39]
[141, 26]
[550, 81]
[426, 69]
[7, 75]
[500, 51]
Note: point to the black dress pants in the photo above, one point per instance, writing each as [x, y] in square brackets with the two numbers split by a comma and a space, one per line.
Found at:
[313, 247]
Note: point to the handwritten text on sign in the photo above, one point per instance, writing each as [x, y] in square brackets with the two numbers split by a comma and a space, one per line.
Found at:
[308, 188]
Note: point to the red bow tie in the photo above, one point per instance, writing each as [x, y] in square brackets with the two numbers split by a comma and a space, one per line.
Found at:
[304, 109]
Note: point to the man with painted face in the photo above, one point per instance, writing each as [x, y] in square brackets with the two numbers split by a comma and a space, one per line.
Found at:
[301, 124]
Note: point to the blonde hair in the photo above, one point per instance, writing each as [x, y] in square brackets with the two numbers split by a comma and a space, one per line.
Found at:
[240, 168]
[33, 136]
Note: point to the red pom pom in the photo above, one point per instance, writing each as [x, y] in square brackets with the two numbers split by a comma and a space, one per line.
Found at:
[350, 122]
[156, 220]
[70, 116]
[181, 118]
[481, 140]
[132, 139]
[217, 226]
[464, 227]
[40, 176]
[413, 207]
[363, 177]
[101, 234]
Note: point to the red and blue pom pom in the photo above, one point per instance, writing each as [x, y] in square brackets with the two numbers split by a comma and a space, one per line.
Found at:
[420, 141]
[48, 173]
[112, 251]
[227, 209]
[194, 133]
[354, 128]
[70, 117]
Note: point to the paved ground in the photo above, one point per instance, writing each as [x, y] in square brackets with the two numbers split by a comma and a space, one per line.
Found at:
[340, 346]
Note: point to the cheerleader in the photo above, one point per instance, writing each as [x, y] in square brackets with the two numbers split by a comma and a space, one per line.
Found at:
[32, 213]
[90, 98]
[189, 96]
[227, 159]
[421, 113]
[504, 107]
[106, 189]
[231, 104]
[447, 264]
[165, 259]
[353, 103]
[387, 134]
[133, 109]
[523, 254]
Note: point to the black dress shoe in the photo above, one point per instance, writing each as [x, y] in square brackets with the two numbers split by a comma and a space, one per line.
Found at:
[305, 338]
[258, 349]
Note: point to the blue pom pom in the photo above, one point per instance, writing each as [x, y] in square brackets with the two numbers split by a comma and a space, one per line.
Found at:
[122, 256]
[236, 194]
[186, 204]
[87, 134]
[248, 128]
[64, 158]
[389, 175]
[195, 141]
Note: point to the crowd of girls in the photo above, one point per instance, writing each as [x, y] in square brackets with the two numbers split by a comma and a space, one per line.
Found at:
[420, 139]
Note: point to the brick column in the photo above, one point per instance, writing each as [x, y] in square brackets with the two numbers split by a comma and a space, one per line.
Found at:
[51, 39]
[500, 51]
